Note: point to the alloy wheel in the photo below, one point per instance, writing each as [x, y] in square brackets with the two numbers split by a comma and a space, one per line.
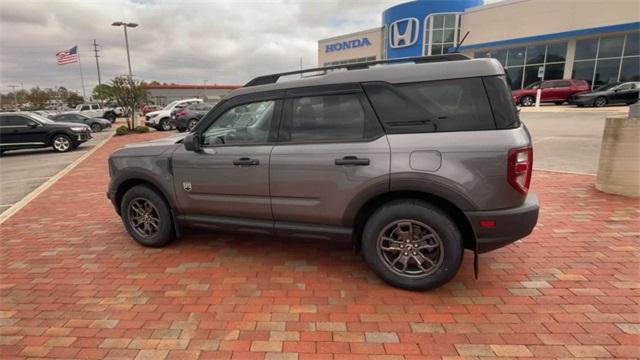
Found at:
[600, 102]
[61, 143]
[143, 217]
[191, 124]
[165, 125]
[527, 101]
[410, 248]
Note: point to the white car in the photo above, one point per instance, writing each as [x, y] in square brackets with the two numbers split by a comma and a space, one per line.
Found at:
[96, 111]
[160, 120]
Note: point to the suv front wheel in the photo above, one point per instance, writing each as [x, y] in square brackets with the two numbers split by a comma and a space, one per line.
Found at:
[146, 216]
[412, 244]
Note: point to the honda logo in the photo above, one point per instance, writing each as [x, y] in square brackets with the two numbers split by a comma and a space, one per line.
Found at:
[403, 32]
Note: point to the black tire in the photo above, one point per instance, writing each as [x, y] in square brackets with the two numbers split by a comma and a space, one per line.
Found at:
[111, 117]
[95, 127]
[527, 101]
[61, 143]
[580, 105]
[181, 129]
[191, 124]
[600, 101]
[164, 125]
[558, 102]
[448, 239]
[163, 233]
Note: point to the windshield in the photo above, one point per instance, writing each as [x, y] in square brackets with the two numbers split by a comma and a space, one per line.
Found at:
[170, 106]
[40, 118]
[606, 87]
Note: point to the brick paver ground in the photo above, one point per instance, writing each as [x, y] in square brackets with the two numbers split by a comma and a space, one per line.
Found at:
[74, 285]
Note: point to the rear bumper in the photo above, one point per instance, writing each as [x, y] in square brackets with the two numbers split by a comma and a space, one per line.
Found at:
[510, 224]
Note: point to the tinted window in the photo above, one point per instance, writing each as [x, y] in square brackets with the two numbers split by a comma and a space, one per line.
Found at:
[606, 71]
[630, 69]
[535, 54]
[242, 125]
[95, 107]
[516, 56]
[435, 106]
[84, 107]
[14, 120]
[562, 84]
[632, 44]
[556, 52]
[4, 121]
[586, 49]
[611, 47]
[326, 118]
[504, 110]
[583, 70]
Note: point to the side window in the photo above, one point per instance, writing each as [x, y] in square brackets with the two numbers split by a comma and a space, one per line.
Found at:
[548, 84]
[84, 107]
[328, 118]
[95, 107]
[17, 121]
[626, 87]
[562, 84]
[4, 121]
[504, 110]
[242, 125]
[433, 106]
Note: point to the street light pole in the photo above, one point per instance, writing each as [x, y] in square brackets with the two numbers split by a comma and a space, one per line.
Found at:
[126, 42]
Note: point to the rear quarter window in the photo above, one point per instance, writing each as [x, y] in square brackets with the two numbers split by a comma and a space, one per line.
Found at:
[504, 110]
[433, 106]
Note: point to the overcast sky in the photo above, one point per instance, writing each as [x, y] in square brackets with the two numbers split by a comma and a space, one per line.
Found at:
[176, 41]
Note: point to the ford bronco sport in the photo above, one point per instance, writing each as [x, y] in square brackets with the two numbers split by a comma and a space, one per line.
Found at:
[414, 162]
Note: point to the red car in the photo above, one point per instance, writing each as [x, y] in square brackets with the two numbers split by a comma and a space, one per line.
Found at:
[150, 108]
[555, 91]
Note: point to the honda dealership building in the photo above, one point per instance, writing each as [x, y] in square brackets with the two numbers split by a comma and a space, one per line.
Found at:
[594, 40]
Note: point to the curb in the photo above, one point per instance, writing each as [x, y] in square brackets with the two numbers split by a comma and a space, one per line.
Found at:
[47, 184]
[564, 172]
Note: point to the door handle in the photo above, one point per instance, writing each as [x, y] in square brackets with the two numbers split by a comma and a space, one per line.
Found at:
[246, 161]
[352, 160]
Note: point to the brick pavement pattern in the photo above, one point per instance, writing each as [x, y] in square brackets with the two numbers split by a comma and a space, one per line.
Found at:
[75, 285]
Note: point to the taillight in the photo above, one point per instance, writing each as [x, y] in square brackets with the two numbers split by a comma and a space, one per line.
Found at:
[182, 113]
[520, 168]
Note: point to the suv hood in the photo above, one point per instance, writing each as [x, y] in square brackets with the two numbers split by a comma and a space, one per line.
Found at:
[154, 113]
[170, 140]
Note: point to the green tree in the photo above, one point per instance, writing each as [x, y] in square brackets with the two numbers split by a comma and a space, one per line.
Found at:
[103, 93]
[72, 100]
[129, 94]
[37, 98]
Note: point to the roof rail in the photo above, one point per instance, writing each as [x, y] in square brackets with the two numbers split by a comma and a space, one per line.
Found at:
[273, 78]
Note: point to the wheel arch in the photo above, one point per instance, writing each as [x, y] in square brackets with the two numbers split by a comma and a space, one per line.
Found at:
[453, 210]
[56, 133]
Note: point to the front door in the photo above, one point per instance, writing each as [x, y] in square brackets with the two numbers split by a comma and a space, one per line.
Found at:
[331, 147]
[20, 130]
[229, 177]
[625, 93]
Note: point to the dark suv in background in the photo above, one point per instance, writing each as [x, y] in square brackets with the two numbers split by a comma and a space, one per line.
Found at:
[413, 162]
[555, 91]
[22, 130]
[187, 118]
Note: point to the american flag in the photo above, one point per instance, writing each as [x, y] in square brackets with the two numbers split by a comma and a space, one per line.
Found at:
[67, 56]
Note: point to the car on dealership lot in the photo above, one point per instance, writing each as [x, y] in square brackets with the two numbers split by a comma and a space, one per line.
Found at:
[95, 110]
[24, 130]
[161, 120]
[555, 91]
[186, 119]
[614, 93]
[412, 162]
[96, 124]
[150, 107]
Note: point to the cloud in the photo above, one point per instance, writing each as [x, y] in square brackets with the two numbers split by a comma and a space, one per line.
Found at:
[176, 41]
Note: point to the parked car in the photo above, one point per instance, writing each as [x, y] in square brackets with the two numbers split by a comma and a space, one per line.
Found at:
[23, 130]
[555, 91]
[160, 120]
[97, 111]
[96, 124]
[615, 93]
[412, 162]
[186, 119]
[149, 108]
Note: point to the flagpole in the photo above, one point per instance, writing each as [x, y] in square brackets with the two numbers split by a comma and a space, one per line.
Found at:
[84, 94]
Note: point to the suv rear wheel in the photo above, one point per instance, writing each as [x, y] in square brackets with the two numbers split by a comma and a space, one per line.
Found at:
[412, 244]
[146, 216]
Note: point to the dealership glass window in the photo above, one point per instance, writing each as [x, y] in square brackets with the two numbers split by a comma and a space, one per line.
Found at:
[607, 59]
[630, 70]
[441, 32]
[556, 52]
[516, 56]
[535, 54]
[611, 47]
[606, 72]
[515, 74]
[586, 49]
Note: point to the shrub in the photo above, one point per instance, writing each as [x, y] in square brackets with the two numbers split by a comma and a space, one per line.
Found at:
[122, 130]
[141, 129]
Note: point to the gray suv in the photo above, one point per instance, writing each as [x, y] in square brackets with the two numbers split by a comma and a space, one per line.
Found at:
[414, 162]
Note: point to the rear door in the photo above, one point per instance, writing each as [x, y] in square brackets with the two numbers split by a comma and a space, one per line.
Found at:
[625, 93]
[330, 148]
[20, 130]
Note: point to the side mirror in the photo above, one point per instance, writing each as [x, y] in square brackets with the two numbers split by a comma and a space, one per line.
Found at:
[192, 142]
[32, 124]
